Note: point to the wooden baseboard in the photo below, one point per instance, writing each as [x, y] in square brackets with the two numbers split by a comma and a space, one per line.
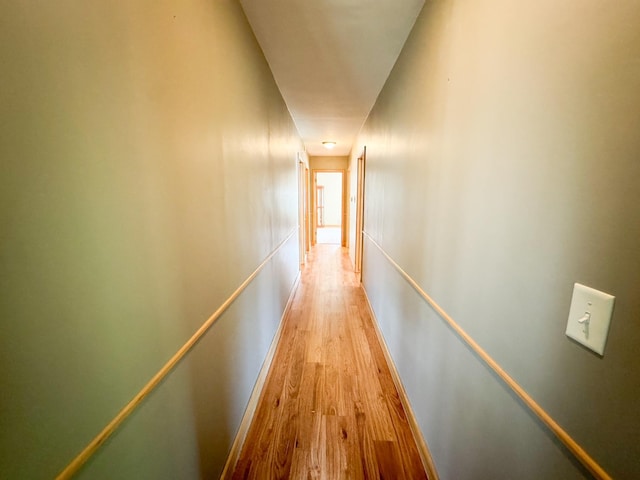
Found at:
[423, 449]
[252, 405]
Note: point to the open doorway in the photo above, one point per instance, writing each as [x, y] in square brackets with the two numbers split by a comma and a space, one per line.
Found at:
[304, 221]
[329, 207]
[359, 254]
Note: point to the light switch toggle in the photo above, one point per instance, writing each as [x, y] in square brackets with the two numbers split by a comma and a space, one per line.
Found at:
[584, 320]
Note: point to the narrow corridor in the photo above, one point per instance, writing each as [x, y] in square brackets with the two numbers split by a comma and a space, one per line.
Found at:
[329, 408]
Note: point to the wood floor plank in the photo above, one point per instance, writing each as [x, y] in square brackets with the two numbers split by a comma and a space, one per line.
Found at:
[329, 408]
[389, 460]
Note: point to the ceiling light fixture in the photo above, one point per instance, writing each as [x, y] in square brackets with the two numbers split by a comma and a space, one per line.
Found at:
[329, 145]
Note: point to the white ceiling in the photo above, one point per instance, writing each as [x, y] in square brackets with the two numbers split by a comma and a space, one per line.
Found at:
[330, 59]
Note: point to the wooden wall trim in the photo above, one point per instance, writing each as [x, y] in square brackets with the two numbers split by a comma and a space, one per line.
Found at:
[252, 405]
[423, 449]
[583, 457]
[74, 466]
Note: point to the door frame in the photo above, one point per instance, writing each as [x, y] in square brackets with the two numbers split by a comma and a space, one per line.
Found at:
[307, 209]
[301, 212]
[361, 167]
[343, 204]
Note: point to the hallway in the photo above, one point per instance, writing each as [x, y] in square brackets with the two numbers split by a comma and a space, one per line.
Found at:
[329, 408]
[158, 192]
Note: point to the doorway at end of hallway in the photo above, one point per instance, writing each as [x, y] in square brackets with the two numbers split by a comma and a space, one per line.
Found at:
[329, 207]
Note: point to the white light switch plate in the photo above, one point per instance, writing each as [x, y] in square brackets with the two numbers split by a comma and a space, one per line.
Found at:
[596, 308]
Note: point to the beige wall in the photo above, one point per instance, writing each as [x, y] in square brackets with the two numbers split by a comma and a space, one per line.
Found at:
[148, 166]
[329, 163]
[502, 168]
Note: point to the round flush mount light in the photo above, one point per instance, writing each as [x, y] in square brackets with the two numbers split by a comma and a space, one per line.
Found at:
[329, 145]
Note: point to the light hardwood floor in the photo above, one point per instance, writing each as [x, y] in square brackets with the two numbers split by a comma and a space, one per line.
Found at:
[329, 408]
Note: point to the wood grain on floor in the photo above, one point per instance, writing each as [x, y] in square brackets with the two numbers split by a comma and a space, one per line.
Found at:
[329, 408]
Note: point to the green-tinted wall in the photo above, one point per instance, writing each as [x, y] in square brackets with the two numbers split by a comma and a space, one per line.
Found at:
[503, 166]
[147, 167]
